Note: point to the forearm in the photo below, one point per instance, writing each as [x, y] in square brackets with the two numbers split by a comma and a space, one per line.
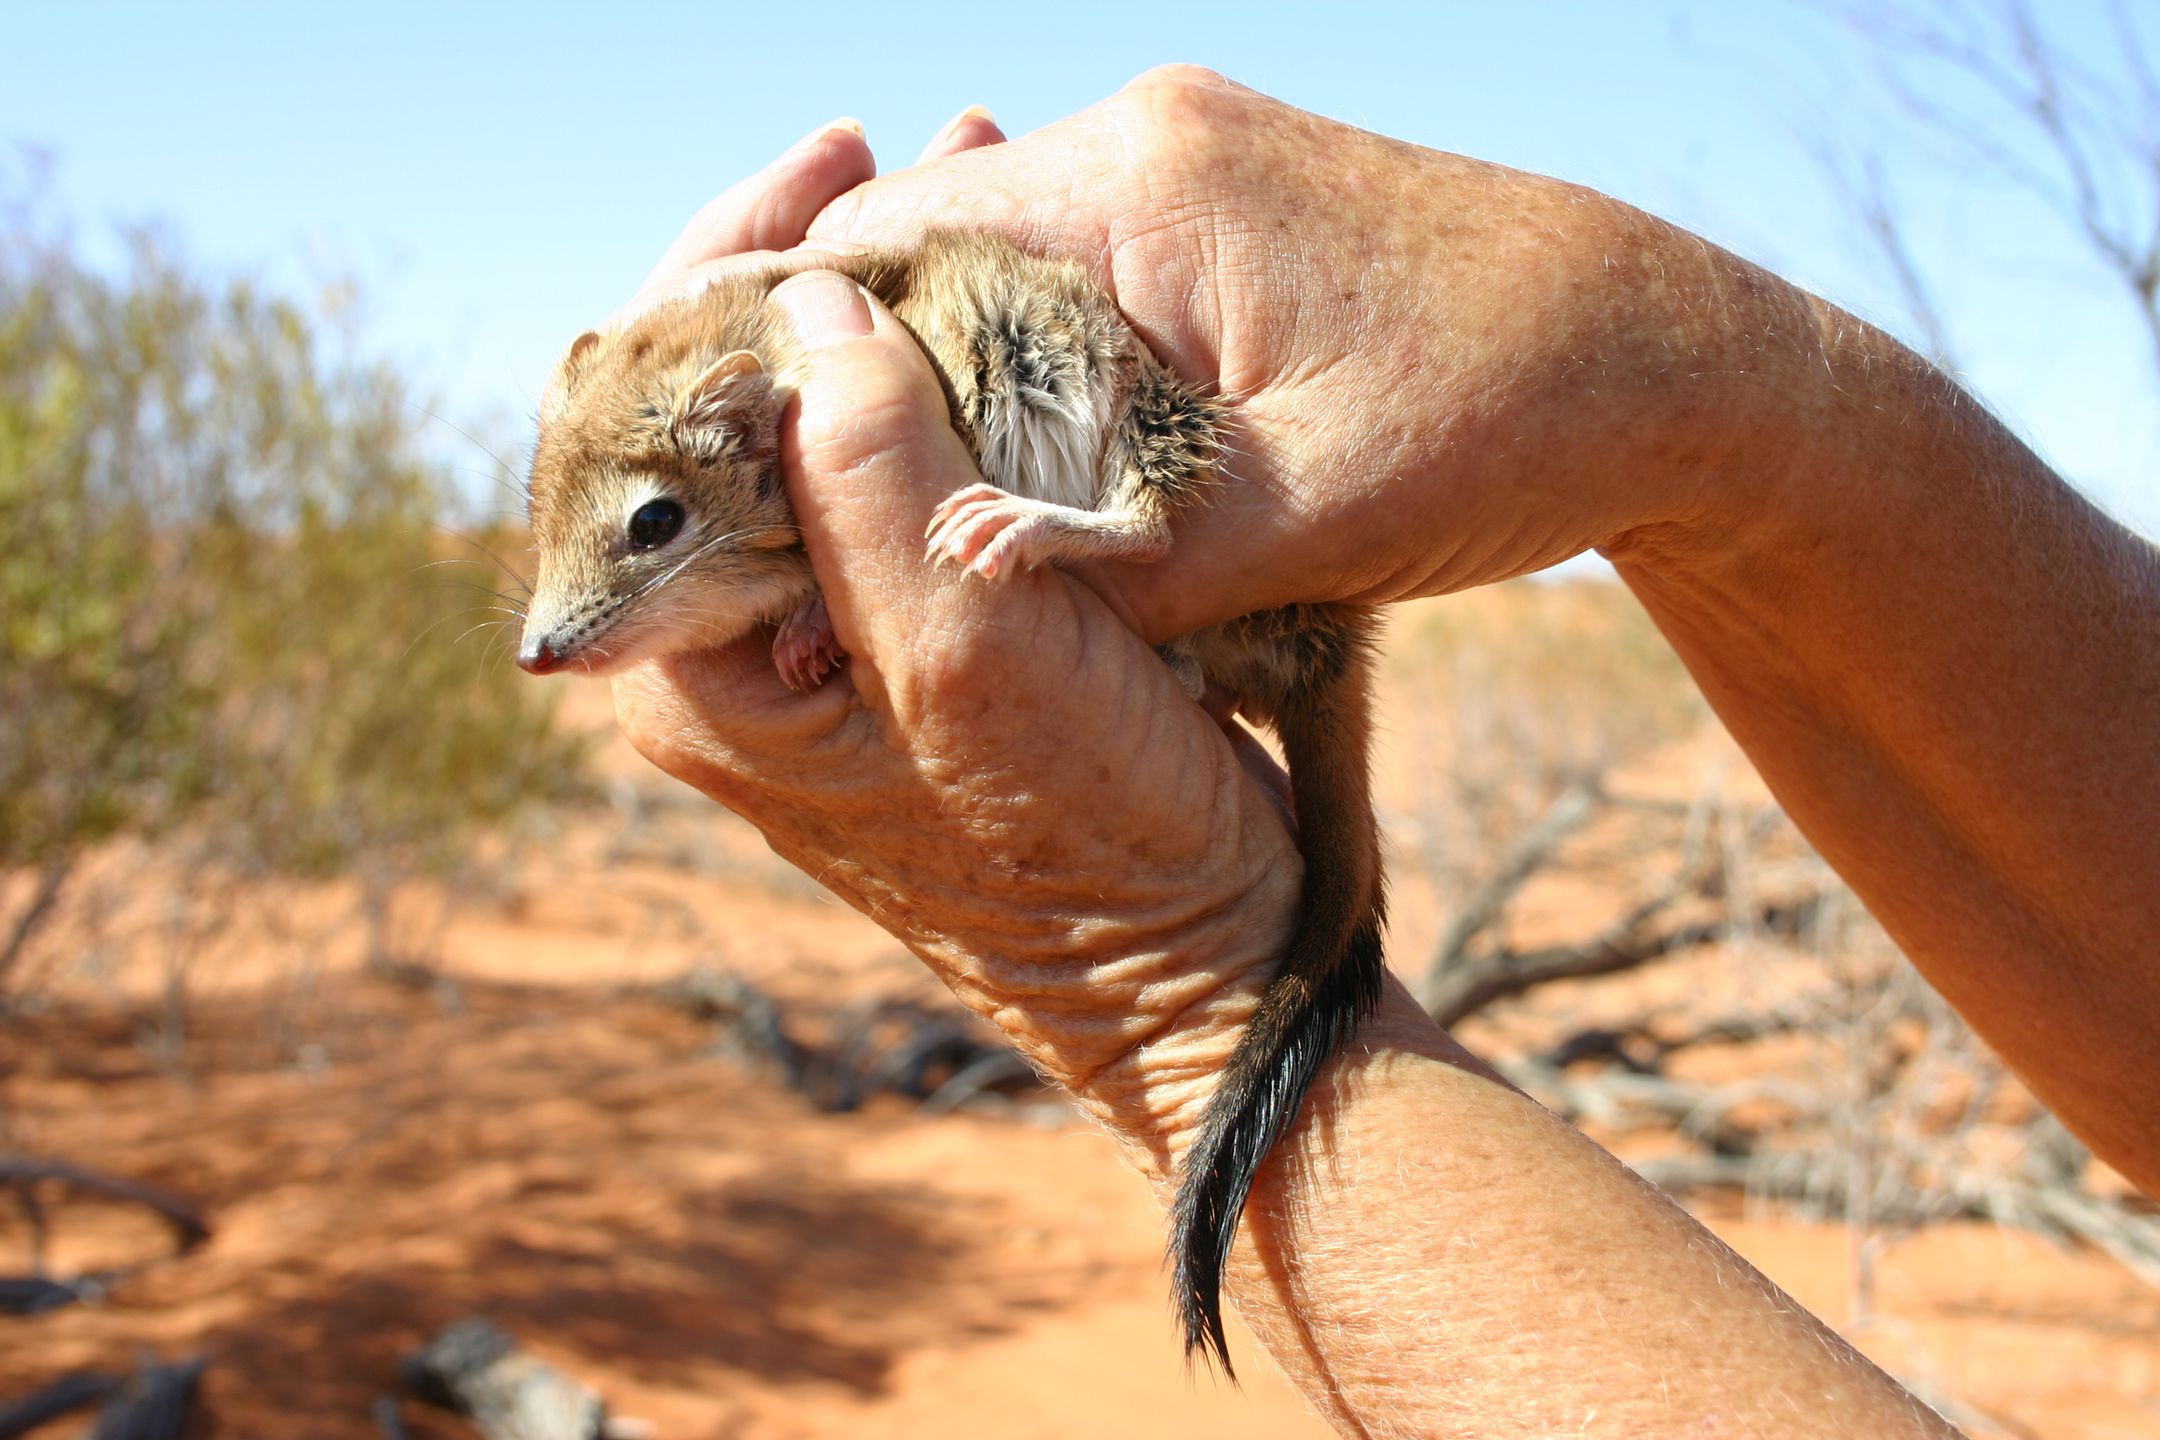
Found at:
[1947, 666]
[1433, 1254]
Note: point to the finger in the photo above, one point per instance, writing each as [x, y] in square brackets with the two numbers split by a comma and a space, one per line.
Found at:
[694, 279]
[715, 718]
[971, 129]
[773, 208]
[870, 454]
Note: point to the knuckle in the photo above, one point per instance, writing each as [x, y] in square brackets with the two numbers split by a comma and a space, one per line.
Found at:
[1179, 78]
[875, 418]
[1178, 109]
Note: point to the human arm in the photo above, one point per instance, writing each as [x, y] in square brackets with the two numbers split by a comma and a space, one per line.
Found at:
[1457, 1261]
[1944, 662]
[1013, 784]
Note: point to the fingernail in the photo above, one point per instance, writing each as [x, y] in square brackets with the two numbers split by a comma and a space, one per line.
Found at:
[846, 123]
[973, 112]
[833, 249]
[824, 308]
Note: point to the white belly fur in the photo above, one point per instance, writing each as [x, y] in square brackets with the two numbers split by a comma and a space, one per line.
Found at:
[1049, 445]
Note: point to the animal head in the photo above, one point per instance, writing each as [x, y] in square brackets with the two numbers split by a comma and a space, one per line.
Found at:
[657, 507]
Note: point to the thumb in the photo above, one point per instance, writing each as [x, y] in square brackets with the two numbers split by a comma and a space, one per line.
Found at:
[989, 677]
[869, 454]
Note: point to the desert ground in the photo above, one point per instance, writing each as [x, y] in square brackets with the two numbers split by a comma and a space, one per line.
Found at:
[498, 1102]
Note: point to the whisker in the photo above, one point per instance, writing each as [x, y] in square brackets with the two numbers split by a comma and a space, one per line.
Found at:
[450, 580]
[441, 620]
[505, 474]
[703, 549]
[520, 491]
[508, 479]
[440, 583]
[500, 563]
[483, 625]
[508, 599]
[469, 436]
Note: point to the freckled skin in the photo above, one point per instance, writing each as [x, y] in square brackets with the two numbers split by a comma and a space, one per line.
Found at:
[1091, 446]
[1826, 529]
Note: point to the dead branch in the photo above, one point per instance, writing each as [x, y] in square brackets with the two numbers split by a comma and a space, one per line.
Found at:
[63, 1397]
[1461, 983]
[1643, 1048]
[746, 1020]
[2098, 141]
[36, 1294]
[152, 1404]
[51, 880]
[1485, 905]
[34, 1220]
[1620, 1100]
[188, 1226]
[1807, 1177]
[876, 1047]
[1499, 974]
[901, 1048]
[992, 1070]
[1866, 191]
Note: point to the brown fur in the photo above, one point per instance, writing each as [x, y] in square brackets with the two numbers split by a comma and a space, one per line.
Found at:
[1060, 403]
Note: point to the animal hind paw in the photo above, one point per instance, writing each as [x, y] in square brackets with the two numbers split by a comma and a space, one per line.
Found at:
[804, 649]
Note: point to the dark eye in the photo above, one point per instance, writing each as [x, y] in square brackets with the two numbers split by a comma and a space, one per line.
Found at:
[655, 523]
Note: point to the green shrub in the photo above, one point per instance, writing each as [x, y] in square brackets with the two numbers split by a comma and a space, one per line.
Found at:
[224, 603]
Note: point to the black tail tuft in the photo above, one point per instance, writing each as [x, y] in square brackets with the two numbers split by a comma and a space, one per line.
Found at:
[1302, 1020]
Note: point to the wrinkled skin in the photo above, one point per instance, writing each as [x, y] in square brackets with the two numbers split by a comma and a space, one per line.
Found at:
[914, 783]
[1506, 367]
[1298, 301]
[1944, 662]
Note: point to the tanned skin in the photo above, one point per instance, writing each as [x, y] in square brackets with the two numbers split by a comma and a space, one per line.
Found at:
[1945, 662]
[662, 525]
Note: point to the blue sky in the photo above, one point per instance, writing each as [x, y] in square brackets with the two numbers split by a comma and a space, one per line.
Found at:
[499, 177]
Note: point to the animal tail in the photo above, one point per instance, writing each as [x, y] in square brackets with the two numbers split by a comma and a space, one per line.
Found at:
[1329, 981]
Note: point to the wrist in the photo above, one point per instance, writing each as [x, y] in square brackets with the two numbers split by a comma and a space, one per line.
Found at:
[1719, 376]
[1620, 385]
[1820, 422]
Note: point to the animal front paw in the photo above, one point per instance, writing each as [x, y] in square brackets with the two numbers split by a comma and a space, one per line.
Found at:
[993, 533]
[804, 651]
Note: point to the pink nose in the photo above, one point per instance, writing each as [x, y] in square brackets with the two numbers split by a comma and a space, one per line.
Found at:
[535, 658]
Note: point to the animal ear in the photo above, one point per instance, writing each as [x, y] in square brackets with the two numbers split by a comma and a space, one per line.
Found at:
[569, 371]
[726, 410]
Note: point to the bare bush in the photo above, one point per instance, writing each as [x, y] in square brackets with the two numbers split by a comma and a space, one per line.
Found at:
[1997, 91]
[1522, 693]
[1872, 1102]
[1848, 1089]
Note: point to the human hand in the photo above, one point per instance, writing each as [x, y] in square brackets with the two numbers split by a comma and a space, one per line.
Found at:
[1445, 372]
[1006, 778]
[1005, 781]
[761, 221]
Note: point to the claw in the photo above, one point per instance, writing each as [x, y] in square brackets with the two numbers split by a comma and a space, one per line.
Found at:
[804, 649]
